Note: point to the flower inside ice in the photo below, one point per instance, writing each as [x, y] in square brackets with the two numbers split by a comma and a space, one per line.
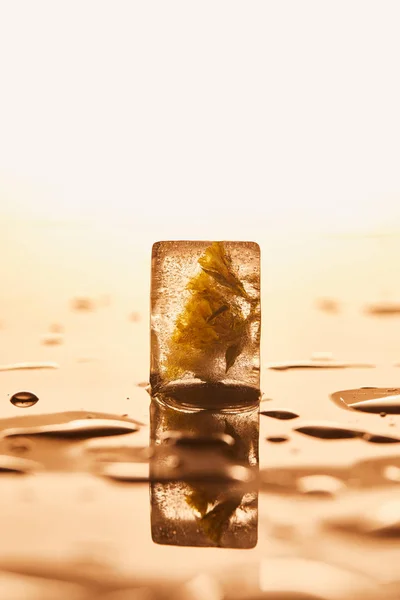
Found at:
[212, 322]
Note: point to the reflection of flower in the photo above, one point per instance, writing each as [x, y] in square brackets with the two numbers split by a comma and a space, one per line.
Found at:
[213, 521]
[212, 320]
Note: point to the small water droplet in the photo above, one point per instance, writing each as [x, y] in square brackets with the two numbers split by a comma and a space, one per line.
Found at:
[52, 339]
[380, 439]
[282, 414]
[382, 414]
[24, 399]
[277, 439]
[29, 366]
[328, 305]
[383, 309]
[82, 303]
[134, 317]
[56, 328]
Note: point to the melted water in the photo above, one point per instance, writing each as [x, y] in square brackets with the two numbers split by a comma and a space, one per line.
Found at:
[80, 429]
[329, 432]
[281, 413]
[380, 439]
[24, 399]
[369, 399]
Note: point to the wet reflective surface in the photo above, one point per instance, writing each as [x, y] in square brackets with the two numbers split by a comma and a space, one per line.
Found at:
[140, 499]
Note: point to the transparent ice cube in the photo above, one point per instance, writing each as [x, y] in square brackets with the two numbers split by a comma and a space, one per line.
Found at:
[205, 319]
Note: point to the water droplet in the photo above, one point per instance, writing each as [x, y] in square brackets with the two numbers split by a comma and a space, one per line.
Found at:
[382, 414]
[24, 399]
[29, 366]
[82, 303]
[383, 309]
[134, 317]
[371, 400]
[56, 328]
[52, 339]
[380, 439]
[321, 485]
[328, 305]
[79, 429]
[277, 439]
[282, 414]
[329, 432]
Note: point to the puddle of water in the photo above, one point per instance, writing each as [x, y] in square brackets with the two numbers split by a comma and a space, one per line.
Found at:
[79, 429]
[381, 401]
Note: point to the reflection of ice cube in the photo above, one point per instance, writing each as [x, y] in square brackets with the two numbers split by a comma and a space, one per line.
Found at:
[214, 501]
[205, 312]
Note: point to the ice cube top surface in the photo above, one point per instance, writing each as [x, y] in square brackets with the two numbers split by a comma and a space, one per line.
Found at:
[205, 311]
